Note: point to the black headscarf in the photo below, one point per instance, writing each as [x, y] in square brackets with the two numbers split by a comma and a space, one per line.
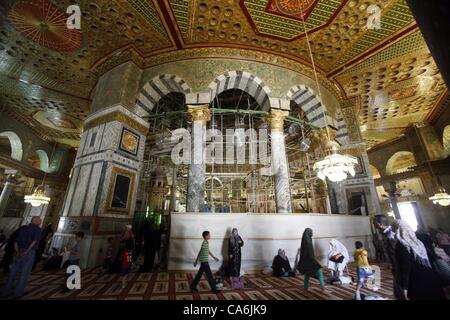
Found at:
[308, 264]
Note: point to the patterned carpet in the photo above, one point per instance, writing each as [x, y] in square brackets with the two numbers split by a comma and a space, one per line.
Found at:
[175, 286]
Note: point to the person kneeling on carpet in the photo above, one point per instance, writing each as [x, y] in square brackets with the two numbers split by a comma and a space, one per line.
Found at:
[281, 266]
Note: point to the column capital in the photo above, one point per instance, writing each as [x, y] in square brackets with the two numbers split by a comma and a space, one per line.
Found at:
[199, 112]
[276, 119]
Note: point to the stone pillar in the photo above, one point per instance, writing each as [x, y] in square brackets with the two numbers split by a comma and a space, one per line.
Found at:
[279, 161]
[4, 197]
[173, 192]
[101, 196]
[391, 189]
[430, 142]
[432, 18]
[196, 178]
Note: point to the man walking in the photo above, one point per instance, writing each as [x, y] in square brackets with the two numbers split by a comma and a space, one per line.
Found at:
[25, 253]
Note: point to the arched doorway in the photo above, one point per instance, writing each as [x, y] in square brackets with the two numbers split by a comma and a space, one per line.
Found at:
[400, 162]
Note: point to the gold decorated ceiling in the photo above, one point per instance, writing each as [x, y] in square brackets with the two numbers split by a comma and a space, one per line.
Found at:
[390, 69]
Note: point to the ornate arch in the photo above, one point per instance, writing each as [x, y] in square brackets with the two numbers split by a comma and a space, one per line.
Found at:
[159, 87]
[43, 160]
[244, 81]
[16, 144]
[311, 105]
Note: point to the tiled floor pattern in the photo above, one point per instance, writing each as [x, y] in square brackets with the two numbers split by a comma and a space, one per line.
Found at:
[175, 286]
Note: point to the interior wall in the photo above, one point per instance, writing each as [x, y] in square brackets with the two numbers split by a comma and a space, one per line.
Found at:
[199, 73]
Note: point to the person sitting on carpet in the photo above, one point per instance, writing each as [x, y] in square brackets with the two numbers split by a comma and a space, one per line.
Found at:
[338, 258]
[281, 266]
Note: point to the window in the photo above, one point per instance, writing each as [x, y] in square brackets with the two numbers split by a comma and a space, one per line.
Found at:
[408, 214]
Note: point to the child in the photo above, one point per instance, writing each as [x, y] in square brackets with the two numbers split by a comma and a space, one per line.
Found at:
[363, 268]
[204, 265]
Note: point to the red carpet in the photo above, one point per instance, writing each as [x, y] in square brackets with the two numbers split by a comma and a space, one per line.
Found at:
[175, 285]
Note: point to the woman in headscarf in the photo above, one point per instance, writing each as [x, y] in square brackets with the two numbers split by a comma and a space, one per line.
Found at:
[417, 278]
[308, 264]
[234, 253]
[281, 266]
[338, 257]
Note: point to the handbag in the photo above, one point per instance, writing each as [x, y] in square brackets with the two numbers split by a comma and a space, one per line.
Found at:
[237, 283]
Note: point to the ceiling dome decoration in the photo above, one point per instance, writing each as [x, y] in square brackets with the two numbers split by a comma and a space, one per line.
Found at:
[292, 7]
[279, 18]
[45, 24]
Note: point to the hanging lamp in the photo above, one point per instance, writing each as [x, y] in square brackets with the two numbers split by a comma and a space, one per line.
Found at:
[441, 198]
[334, 166]
[38, 197]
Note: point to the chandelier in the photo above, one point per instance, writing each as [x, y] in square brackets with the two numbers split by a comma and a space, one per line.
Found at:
[38, 197]
[442, 198]
[335, 166]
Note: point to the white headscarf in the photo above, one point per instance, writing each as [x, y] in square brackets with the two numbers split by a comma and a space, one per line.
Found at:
[337, 247]
[407, 237]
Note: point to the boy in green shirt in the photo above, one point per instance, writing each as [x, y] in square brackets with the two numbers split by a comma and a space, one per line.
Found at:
[202, 256]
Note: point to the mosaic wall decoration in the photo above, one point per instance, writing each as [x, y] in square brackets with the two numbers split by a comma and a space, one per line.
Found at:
[129, 141]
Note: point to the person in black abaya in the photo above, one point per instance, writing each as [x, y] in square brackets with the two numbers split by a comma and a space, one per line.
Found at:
[418, 279]
[281, 266]
[234, 253]
[152, 243]
[308, 264]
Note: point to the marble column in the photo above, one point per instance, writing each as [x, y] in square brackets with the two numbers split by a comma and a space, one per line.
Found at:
[280, 164]
[391, 189]
[4, 197]
[101, 197]
[173, 201]
[196, 178]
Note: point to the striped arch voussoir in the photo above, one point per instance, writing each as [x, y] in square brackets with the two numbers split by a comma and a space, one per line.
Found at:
[244, 81]
[157, 88]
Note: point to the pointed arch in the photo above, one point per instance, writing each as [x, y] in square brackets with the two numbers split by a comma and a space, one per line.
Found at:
[310, 103]
[43, 160]
[244, 81]
[159, 87]
[16, 144]
[399, 162]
